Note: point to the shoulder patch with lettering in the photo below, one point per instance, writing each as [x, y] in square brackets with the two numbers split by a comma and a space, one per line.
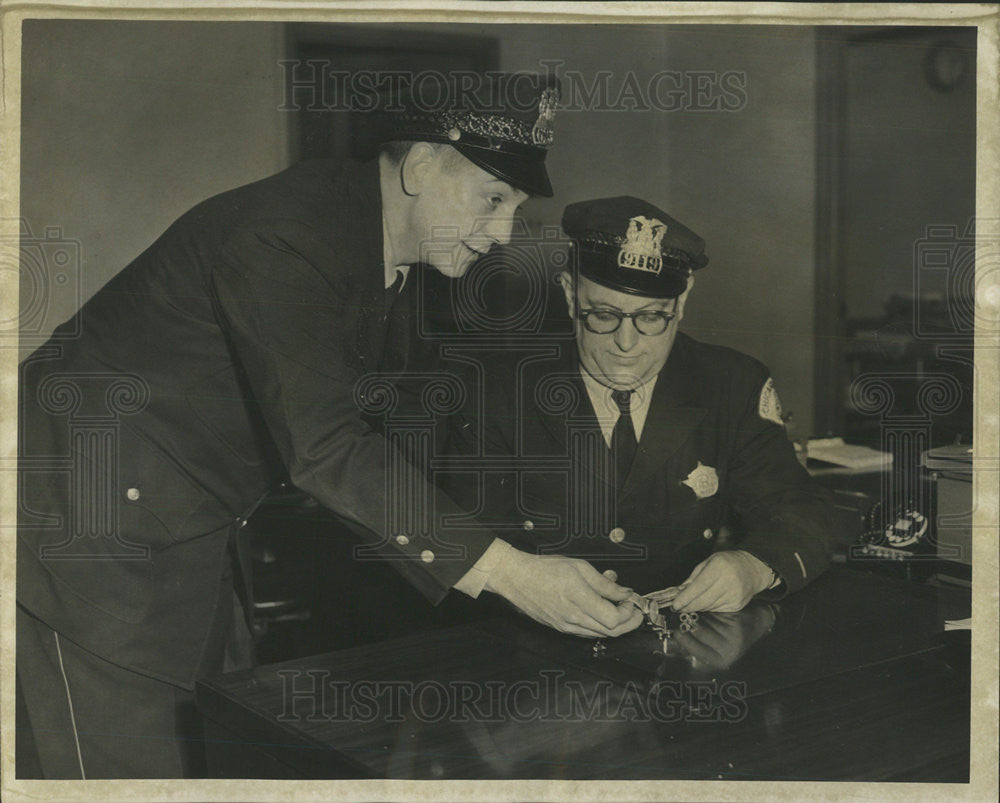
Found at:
[769, 407]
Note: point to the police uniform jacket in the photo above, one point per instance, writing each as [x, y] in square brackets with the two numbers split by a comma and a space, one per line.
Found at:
[225, 357]
[713, 463]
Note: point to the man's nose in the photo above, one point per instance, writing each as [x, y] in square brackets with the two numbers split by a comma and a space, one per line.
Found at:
[498, 230]
[626, 335]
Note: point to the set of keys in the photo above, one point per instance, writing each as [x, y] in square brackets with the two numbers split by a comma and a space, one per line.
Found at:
[652, 604]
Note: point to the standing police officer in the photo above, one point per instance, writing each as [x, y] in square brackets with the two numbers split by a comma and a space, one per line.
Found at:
[224, 358]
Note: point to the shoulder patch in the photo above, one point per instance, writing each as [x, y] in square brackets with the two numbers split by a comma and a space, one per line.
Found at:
[768, 406]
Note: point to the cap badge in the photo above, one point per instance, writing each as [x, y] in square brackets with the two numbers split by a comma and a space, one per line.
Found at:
[542, 133]
[703, 481]
[768, 405]
[641, 249]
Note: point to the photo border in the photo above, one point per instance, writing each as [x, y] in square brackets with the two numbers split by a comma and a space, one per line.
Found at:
[986, 468]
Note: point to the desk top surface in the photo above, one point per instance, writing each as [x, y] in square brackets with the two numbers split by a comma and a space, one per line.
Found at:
[851, 679]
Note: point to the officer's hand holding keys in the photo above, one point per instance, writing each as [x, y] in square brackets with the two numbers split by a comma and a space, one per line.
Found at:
[567, 594]
[724, 581]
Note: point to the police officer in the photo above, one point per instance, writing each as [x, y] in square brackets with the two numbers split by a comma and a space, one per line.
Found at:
[223, 359]
[668, 462]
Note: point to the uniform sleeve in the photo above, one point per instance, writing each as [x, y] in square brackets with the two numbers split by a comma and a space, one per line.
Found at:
[785, 516]
[294, 334]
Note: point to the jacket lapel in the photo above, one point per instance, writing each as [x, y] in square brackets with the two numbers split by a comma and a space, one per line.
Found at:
[397, 306]
[367, 271]
[672, 417]
[589, 454]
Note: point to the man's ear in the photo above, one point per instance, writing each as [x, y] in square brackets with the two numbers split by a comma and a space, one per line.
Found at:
[682, 299]
[416, 166]
[566, 280]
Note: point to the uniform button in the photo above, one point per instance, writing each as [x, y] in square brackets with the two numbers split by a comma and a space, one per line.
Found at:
[243, 522]
[132, 493]
[402, 540]
[611, 574]
[707, 534]
[427, 556]
[529, 524]
[617, 535]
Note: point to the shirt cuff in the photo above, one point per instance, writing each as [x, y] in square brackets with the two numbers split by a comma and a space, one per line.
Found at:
[474, 581]
[775, 577]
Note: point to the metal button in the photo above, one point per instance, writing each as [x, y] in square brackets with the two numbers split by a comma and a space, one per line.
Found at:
[529, 524]
[611, 574]
[243, 522]
[427, 556]
[707, 534]
[617, 535]
[402, 540]
[132, 493]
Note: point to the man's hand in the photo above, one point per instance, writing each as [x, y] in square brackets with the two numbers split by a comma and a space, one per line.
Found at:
[564, 593]
[725, 581]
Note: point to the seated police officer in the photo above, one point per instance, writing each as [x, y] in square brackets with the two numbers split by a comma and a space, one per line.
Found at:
[661, 461]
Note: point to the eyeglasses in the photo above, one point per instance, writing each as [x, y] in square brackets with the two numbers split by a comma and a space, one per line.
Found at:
[606, 321]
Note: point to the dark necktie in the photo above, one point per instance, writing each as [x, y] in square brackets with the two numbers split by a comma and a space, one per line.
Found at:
[623, 440]
[396, 323]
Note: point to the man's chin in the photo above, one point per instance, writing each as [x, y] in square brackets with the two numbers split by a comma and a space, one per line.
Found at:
[455, 269]
[618, 378]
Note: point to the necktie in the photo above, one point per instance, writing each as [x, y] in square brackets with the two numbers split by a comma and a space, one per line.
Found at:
[623, 440]
[396, 323]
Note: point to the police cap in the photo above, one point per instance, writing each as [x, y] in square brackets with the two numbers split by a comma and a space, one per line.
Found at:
[630, 245]
[503, 122]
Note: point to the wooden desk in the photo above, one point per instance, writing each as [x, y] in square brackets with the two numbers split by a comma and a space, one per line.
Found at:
[851, 679]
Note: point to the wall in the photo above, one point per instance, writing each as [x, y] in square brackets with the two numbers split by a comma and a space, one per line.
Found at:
[910, 165]
[127, 124]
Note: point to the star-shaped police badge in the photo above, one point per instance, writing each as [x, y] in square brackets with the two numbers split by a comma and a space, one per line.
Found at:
[703, 481]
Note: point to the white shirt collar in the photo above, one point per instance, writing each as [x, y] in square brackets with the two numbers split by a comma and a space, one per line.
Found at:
[607, 411]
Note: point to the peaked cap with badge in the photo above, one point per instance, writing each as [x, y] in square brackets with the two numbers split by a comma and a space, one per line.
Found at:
[281, 279]
[502, 122]
[630, 245]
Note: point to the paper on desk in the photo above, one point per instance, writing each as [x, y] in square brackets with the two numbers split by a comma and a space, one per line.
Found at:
[858, 458]
[958, 624]
[956, 457]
